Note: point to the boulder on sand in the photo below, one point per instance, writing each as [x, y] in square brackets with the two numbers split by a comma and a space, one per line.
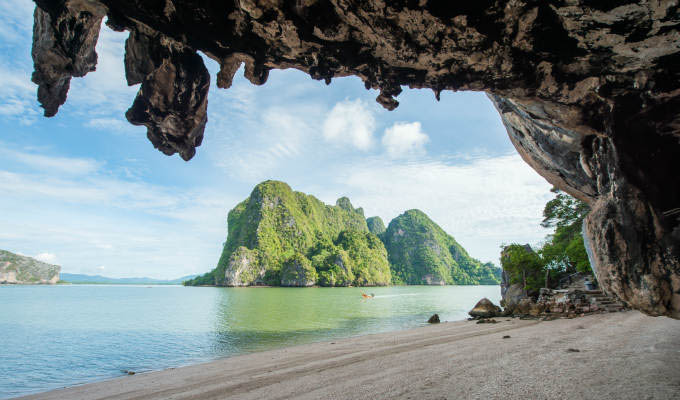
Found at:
[433, 319]
[485, 309]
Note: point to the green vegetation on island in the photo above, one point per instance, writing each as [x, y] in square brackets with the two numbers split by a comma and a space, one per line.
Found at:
[280, 237]
[375, 225]
[18, 269]
[421, 253]
[562, 254]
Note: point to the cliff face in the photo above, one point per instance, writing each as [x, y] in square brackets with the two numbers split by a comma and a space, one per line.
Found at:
[588, 90]
[16, 269]
[420, 252]
[281, 237]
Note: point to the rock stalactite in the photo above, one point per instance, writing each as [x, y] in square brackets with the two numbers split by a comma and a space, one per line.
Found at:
[173, 99]
[588, 89]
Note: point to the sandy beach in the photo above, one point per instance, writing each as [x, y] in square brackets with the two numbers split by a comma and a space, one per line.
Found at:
[607, 356]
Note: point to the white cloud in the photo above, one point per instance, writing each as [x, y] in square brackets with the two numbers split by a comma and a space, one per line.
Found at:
[18, 98]
[279, 136]
[94, 218]
[16, 21]
[46, 257]
[404, 138]
[99, 97]
[350, 123]
[115, 124]
[67, 165]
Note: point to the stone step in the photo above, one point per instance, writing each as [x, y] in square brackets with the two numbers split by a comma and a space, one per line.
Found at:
[600, 297]
[594, 292]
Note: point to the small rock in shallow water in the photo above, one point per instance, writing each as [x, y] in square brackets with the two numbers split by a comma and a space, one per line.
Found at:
[573, 351]
[433, 319]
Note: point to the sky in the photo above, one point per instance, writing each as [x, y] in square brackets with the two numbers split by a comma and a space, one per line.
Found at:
[86, 190]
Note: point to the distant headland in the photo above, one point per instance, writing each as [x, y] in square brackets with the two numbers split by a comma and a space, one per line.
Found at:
[22, 270]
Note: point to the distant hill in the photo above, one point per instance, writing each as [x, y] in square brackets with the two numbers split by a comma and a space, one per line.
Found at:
[421, 253]
[81, 278]
[18, 269]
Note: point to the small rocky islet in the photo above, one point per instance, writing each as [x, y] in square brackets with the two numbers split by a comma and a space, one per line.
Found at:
[280, 237]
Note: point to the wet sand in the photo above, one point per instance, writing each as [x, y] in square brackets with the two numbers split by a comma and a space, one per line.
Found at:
[619, 356]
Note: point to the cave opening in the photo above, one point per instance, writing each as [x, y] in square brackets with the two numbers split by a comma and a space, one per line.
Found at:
[561, 72]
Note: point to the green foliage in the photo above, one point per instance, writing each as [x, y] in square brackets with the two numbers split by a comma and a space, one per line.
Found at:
[204, 280]
[333, 264]
[576, 253]
[375, 225]
[297, 271]
[367, 257]
[420, 252]
[524, 266]
[563, 252]
[564, 211]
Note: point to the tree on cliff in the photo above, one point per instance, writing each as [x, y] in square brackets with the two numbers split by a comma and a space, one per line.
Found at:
[564, 250]
[524, 266]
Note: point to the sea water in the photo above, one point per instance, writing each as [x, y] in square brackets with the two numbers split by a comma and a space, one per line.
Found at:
[64, 335]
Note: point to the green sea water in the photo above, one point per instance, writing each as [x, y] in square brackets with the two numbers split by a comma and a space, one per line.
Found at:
[56, 336]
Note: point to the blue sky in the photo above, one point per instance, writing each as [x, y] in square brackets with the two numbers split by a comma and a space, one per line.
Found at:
[87, 191]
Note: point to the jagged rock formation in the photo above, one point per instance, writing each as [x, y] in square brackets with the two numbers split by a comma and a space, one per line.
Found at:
[284, 238]
[588, 90]
[17, 269]
[421, 253]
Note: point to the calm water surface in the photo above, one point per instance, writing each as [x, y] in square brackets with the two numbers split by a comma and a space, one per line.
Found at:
[56, 336]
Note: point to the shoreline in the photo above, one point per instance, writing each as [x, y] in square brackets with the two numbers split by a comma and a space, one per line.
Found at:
[350, 286]
[617, 355]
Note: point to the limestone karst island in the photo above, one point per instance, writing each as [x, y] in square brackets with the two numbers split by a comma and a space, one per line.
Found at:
[340, 199]
[280, 237]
